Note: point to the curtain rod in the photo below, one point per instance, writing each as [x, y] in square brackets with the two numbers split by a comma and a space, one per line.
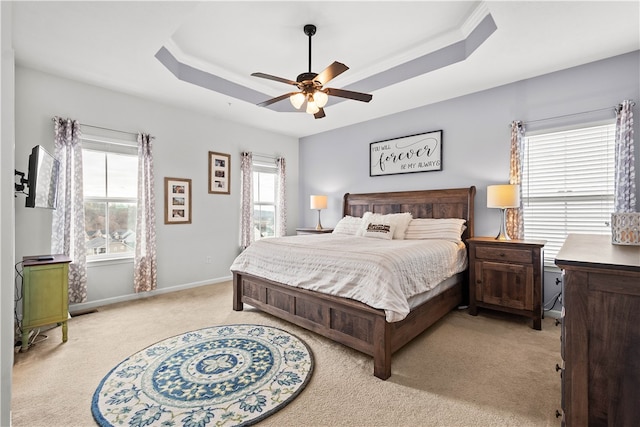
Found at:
[265, 156]
[109, 129]
[574, 114]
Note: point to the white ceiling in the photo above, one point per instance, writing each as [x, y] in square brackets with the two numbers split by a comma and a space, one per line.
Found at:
[114, 45]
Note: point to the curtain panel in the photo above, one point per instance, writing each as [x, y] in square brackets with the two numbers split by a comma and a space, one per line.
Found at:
[246, 221]
[145, 275]
[281, 229]
[515, 217]
[625, 174]
[67, 227]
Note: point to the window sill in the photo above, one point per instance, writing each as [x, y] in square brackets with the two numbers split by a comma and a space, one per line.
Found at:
[100, 262]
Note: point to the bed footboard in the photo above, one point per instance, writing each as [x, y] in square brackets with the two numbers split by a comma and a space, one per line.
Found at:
[346, 321]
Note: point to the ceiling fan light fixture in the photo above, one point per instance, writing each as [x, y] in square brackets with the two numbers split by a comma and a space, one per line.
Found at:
[320, 98]
[297, 99]
[311, 86]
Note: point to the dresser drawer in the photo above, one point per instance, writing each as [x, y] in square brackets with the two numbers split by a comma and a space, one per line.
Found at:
[504, 254]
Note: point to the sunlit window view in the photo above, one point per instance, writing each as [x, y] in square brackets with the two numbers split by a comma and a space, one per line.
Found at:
[264, 202]
[110, 184]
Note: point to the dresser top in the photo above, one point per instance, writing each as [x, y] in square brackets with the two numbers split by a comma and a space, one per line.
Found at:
[30, 261]
[594, 250]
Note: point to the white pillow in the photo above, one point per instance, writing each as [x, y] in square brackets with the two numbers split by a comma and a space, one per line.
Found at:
[436, 228]
[380, 231]
[348, 225]
[400, 221]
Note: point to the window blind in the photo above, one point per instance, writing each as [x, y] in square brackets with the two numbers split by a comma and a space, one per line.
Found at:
[568, 185]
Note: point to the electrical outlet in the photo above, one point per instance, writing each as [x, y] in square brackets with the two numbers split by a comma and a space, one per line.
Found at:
[207, 260]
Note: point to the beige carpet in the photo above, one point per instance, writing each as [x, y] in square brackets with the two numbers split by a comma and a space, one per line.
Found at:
[489, 370]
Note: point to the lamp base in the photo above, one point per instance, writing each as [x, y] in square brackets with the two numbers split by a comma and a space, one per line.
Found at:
[502, 235]
[319, 226]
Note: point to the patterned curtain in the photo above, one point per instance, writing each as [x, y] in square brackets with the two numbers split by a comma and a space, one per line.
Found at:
[67, 227]
[625, 174]
[281, 229]
[145, 275]
[515, 217]
[246, 221]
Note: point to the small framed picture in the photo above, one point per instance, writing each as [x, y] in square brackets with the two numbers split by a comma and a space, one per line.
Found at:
[219, 173]
[177, 201]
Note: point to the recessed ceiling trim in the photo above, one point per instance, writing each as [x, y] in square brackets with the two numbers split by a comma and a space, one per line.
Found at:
[441, 58]
[448, 55]
[192, 75]
[425, 47]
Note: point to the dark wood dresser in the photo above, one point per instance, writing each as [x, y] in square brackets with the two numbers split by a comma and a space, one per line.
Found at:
[600, 344]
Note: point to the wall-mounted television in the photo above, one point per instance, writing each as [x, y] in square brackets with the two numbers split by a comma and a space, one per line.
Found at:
[44, 171]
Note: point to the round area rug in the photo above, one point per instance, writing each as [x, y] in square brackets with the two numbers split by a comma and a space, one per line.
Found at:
[221, 376]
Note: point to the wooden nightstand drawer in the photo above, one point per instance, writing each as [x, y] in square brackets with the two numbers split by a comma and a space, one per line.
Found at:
[504, 254]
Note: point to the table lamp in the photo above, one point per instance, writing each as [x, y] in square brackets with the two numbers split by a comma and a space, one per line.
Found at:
[319, 203]
[503, 196]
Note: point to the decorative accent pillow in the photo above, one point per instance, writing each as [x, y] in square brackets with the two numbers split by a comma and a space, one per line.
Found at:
[400, 221]
[436, 228]
[348, 225]
[379, 231]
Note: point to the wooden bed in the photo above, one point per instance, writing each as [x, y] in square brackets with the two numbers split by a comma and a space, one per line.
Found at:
[353, 323]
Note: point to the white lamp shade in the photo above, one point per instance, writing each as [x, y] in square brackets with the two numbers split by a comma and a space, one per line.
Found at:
[503, 196]
[297, 99]
[318, 202]
[312, 108]
[320, 98]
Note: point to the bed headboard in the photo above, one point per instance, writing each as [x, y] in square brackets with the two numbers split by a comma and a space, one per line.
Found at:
[445, 203]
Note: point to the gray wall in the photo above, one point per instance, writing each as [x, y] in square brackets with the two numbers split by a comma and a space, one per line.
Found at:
[182, 141]
[476, 138]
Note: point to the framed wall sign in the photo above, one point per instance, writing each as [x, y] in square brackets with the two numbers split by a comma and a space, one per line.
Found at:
[177, 201]
[219, 173]
[414, 153]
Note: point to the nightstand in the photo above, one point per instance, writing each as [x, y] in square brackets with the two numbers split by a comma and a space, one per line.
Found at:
[506, 275]
[313, 231]
[45, 297]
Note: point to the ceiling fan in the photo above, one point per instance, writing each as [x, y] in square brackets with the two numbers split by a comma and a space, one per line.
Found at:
[311, 85]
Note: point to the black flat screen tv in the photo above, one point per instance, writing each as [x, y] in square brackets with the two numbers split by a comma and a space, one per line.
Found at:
[44, 171]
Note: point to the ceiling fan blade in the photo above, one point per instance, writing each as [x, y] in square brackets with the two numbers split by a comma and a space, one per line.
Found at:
[274, 100]
[320, 114]
[349, 94]
[331, 72]
[276, 78]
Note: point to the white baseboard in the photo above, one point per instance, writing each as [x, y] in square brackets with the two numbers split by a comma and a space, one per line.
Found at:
[85, 306]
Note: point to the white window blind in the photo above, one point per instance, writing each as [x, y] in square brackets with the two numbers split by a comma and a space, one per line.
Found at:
[568, 185]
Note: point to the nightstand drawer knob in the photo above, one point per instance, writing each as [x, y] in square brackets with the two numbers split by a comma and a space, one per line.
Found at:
[502, 254]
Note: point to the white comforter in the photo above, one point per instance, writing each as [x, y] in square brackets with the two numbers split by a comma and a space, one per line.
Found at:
[383, 274]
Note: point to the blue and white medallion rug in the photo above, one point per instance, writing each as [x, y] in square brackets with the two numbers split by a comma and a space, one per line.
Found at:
[221, 376]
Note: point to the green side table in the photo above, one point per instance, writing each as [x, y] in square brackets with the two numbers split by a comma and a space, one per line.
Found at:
[45, 294]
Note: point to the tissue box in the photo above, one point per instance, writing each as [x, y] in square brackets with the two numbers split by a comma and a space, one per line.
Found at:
[625, 228]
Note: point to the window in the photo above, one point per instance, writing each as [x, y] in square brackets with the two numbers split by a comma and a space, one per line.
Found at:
[110, 185]
[568, 185]
[265, 193]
